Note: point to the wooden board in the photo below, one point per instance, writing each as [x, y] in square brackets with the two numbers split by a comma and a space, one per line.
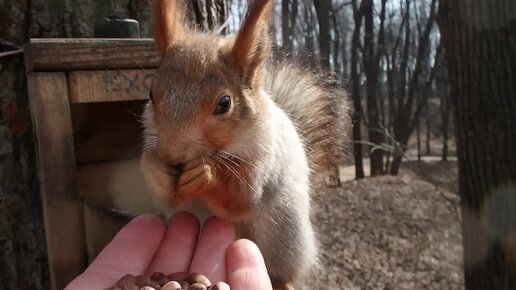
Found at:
[110, 85]
[62, 208]
[107, 131]
[65, 54]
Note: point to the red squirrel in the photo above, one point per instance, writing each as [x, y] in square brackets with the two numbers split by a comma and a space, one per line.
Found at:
[230, 132]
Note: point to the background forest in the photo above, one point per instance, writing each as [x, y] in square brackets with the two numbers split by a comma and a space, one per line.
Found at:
[391, 56]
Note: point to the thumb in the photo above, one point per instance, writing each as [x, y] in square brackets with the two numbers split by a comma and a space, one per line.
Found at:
[246, 267]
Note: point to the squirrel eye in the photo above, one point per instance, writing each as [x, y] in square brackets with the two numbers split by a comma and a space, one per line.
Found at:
[223, 105]
[151, 97]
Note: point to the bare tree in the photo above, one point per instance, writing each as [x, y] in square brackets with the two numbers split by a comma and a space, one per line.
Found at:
[407, 107]
[394, 57]
[357, 100]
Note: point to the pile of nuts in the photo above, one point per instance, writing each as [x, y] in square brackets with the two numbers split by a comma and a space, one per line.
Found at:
[174, 281]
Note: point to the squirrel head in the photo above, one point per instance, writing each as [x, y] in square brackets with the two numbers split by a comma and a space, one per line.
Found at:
[207, 93]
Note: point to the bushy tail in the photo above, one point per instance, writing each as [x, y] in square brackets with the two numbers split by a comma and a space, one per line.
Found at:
[319, 107]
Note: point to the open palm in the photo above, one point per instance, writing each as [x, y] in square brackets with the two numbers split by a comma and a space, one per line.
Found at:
[147, 245]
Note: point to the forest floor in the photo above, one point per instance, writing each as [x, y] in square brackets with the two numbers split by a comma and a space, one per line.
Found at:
[392, 232]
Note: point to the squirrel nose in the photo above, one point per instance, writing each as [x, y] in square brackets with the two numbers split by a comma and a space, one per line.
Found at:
[170, 157]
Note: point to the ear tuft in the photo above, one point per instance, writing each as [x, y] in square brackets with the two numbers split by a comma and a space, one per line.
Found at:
[252, 44]
[168, 23]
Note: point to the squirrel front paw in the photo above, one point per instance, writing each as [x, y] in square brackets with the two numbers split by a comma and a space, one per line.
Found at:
[161, 180]
[198, 177]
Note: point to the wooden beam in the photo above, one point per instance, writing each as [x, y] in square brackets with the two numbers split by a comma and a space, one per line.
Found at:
[110, 85]
[64, 54]
[62, 208]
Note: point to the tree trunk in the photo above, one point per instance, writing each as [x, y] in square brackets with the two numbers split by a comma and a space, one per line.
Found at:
[480, 41]
[287, 28]
[207, 14]
[309, 35]
[323, 8]
[418, 136]
[23, 261]
[445, 126]
[357, 112]
[428, 149]
[398, 156]
[337, 68]
[376, 135]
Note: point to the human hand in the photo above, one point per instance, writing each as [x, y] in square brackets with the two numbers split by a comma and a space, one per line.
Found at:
[147, 245]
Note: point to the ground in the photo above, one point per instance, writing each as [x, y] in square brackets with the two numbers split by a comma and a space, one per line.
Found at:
[392, 232]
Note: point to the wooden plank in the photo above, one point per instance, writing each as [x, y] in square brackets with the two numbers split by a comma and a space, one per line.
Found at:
[107, 131]
[101, 226]
[64, 54]
[115, 184]
[62, 208]
[110, 85]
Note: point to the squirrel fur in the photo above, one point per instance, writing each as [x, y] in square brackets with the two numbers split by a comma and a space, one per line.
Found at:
[232, 134]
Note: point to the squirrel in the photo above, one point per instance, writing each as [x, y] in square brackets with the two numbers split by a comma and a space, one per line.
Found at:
[230, 133]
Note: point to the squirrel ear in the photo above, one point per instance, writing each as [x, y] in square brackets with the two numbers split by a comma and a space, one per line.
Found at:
[252, 43]
[168, 23]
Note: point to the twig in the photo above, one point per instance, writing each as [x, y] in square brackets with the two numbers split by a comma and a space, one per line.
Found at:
[9, 53]
[8, 48]
[450, 201]
[223, 26]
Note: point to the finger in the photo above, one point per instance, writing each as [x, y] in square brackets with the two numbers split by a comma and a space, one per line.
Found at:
[130, 252]
[246, 267]
[176, 249]
[209, 257]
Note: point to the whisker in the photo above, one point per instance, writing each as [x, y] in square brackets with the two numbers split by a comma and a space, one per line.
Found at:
[239, 158]
[232, 161]
[232, 170]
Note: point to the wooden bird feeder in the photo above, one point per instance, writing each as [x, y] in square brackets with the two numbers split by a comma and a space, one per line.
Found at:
[86, 96]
